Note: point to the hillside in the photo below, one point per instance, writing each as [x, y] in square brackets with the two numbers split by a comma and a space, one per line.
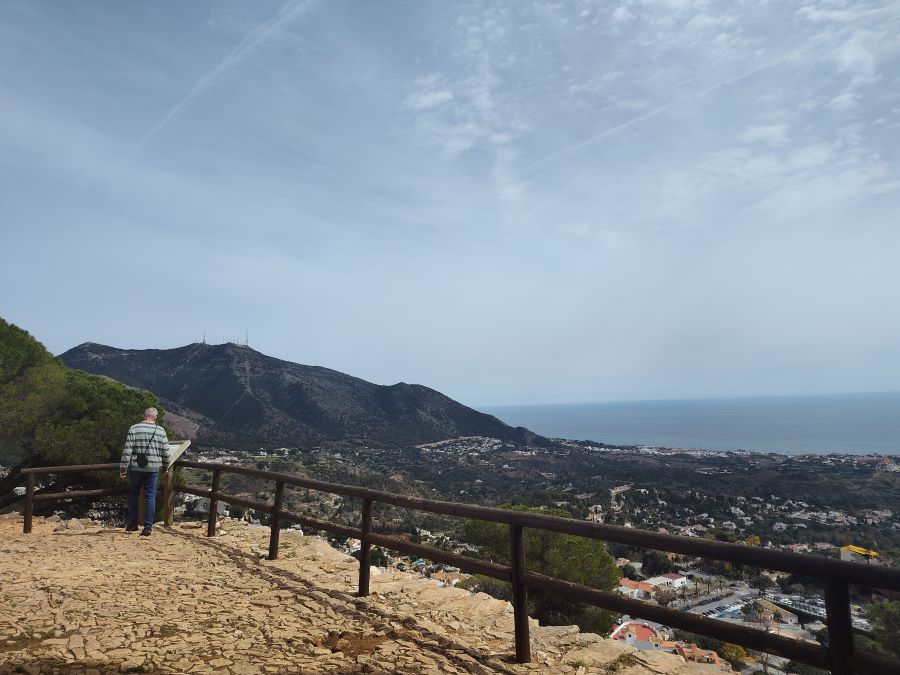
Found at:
[240, 397]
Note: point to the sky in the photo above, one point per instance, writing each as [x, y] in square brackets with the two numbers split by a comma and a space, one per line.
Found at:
[511, 202]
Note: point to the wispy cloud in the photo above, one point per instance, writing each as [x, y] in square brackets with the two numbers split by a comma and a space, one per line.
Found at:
[771, 134]
[251, 43]
[597, 138]
[549, 175]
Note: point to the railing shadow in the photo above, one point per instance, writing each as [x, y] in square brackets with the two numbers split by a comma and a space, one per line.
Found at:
[840, 657]
[363, 610]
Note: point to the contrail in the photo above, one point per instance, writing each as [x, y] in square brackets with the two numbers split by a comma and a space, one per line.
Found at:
[250, 44]
[653, 113]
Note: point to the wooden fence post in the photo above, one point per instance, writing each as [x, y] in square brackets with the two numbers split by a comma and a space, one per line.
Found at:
[520, 594]
[840, 624]
[169, 497]
[275, 521]
[213, 504]
[29, 502]
[365, 551]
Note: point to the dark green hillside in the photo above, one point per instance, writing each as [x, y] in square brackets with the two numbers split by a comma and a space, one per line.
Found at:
[242, 398]
[51, 415]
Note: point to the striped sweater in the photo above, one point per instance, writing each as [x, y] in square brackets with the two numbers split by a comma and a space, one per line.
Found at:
[149, 439]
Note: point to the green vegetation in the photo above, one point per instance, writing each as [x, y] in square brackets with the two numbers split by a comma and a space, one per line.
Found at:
[734, 654]
[621, 662]
[668, 491]
[655, 563]
[52, 415]
[700, 640]
[885, 620]
[378, 557]
[576, 559]
[761, 583]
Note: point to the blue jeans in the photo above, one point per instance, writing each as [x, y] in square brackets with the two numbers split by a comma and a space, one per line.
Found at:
[137, 480]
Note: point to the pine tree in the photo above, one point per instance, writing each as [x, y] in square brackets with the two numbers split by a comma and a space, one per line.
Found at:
[52, 415]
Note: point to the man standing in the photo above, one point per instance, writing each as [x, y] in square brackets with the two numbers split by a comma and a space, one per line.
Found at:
[146, 453]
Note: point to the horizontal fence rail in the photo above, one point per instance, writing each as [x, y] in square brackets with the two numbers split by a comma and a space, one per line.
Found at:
[840, 657]
[31, 495]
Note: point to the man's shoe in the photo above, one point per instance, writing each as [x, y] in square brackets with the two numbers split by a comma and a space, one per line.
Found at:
[131, 528]
[145, 532]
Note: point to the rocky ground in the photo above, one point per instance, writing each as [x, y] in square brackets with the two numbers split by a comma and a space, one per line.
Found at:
[82, 598]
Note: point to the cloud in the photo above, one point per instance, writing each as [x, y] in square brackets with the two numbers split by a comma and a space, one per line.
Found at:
[621, 14]
[252, 42]
[810, 157]
[704, 21]
[846, 102]
[855, 57]
[506, 164]
[676, 5]
[429, 99]
[612, 131]
[846, 16]
[770, 134]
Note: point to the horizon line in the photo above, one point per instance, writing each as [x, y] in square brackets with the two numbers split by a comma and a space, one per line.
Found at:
[720, 397]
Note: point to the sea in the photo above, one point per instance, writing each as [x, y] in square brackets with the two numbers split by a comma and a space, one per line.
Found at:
[823, 424]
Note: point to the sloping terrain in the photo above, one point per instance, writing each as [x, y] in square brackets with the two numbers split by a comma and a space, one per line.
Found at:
[238, 396]
[81, 598]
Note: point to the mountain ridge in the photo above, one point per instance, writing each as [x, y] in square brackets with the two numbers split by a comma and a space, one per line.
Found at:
[241, 397]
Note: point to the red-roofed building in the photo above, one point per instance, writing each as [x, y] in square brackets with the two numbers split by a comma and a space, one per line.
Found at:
[639, 590]
[634, 630]
[697, 655]
[638, 631]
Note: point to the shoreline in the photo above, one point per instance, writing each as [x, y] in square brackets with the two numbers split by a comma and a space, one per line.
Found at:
[712, 452]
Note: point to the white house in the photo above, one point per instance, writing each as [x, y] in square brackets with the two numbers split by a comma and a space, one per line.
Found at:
[671, 580]
[638, 590]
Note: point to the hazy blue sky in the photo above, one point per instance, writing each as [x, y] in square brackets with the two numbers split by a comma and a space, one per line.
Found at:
[511, 202]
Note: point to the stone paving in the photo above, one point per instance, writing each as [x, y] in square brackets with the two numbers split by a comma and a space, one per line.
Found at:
[76, 597]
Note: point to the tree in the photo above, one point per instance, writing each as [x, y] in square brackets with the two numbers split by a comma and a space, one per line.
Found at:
[885, 620]
[478, 583]
[377, 557]
[655, 563]
[761, 583]
[753, 612]
[576, 559]
[630, 573]
[734, 654]
[52, 415]
[665, 596]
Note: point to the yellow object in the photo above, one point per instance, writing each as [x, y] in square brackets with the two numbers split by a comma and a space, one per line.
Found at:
[859, 550]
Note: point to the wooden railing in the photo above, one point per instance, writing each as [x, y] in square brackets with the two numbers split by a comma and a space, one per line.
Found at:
[31, 496]
[840, 657]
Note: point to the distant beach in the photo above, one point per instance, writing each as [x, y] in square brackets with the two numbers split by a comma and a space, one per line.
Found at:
[845, 423]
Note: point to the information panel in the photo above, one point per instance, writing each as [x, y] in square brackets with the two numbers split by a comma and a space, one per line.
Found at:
[176, 450]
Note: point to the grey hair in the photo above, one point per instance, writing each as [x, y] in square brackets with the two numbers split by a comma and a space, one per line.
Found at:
[151, 412]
